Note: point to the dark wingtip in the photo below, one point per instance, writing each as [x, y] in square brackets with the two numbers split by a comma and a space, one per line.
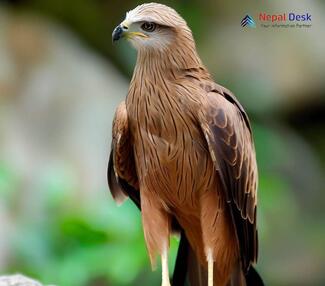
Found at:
[253, 278]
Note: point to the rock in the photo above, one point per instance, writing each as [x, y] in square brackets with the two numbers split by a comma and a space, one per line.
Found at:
[18, 280]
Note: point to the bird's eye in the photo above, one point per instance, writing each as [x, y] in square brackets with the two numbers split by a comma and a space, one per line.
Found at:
[148, 26]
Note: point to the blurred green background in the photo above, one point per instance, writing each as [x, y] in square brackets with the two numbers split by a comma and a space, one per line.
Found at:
[60, 82]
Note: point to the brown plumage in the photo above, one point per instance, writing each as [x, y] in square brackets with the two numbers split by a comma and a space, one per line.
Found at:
[183, 145]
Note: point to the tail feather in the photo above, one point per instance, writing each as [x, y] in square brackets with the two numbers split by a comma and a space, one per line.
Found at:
[189, 272]
[197, 275]
[237, 277]
[181, 265]
[253, 278]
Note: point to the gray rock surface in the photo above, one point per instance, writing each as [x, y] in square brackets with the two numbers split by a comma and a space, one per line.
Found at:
[18, 280]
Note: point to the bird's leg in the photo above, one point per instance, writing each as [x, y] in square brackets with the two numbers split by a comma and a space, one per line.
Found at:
[164, 266]
[210, 270]
[156, 226]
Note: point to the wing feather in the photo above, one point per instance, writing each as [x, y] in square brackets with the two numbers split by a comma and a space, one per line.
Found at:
[228, 133]
[121, 172]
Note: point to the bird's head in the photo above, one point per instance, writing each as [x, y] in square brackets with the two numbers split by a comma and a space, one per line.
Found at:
[152, 25]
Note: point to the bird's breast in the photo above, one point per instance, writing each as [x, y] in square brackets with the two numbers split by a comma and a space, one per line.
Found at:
[160, 120]
[171, 156]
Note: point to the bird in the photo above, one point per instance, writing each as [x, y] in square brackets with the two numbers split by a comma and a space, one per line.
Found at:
[183, 151]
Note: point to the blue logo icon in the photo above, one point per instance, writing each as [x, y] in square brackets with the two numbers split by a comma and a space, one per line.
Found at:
[248, 21]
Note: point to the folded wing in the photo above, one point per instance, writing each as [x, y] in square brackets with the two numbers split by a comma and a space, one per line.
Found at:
[227, 131]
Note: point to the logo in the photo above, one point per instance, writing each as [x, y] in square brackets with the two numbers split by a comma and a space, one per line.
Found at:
[278, 20]
[284, 17]
[248, 21]
[285, 20]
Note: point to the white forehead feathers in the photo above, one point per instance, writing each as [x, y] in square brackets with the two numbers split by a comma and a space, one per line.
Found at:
[154, 12]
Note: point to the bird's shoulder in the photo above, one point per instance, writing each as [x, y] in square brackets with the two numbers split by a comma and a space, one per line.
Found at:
[122, 148]
[120, 121]
[197, 88]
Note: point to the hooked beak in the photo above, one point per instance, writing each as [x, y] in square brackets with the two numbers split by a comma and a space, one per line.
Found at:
[118, 33]
[122, 30]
